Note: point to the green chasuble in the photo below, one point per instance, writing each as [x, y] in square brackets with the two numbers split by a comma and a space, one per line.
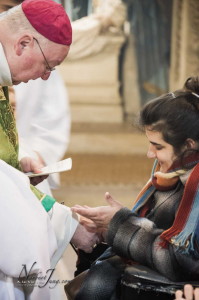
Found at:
[9, 144]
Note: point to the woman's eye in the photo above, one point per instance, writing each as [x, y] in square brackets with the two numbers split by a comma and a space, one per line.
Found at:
[159, 147]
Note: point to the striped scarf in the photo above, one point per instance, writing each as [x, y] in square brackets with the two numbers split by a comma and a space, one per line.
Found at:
[184, 232]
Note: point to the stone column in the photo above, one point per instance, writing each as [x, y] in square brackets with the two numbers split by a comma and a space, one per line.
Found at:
[130, 85]
[185, 42]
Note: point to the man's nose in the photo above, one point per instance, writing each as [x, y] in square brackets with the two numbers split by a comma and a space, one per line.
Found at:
[46, 76]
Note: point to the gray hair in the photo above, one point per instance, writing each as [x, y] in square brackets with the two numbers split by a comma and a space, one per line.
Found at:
[18, 23]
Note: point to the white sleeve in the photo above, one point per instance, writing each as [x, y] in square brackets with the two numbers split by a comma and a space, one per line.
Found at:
[26, 233]
[64, 223]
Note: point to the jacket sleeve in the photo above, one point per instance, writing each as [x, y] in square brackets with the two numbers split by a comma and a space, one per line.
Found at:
[139, 239]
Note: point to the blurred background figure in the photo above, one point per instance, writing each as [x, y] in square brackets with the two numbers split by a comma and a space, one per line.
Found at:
[43, 123]
[43, 118]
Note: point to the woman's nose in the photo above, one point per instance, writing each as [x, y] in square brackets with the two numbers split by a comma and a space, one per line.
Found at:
[151, 152]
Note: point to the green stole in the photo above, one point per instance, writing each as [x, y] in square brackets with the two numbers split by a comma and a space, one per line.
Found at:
[9, 147]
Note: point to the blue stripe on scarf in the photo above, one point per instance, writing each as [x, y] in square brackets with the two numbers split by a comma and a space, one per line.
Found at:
[144, 197]
[154, 168]
[187, 238]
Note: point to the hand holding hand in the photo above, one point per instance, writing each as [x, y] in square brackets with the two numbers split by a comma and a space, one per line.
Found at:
[100, 215]
[29, 164]
[84, 239]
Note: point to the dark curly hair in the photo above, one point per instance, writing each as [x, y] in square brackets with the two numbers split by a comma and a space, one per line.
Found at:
[175, 115]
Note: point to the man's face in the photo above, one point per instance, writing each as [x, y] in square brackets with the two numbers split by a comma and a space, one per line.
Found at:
[29, 63]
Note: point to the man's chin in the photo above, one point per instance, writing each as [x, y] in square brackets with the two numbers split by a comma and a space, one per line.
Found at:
[18, 82]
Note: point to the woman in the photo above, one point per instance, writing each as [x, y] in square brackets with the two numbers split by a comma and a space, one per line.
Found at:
[162, 230]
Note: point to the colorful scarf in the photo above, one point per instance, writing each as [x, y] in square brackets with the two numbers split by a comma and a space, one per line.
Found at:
[184, 233]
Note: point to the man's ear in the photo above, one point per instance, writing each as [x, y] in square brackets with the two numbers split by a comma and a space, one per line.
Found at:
[23, 43]
[190, 144]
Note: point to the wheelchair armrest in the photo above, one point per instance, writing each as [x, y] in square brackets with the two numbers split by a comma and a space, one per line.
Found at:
[141, 277]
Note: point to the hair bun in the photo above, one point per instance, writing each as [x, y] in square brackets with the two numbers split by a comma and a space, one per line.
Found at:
[192, 84]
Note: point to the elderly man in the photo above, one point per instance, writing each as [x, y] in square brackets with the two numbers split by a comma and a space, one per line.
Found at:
[34, 37]
[43, 125]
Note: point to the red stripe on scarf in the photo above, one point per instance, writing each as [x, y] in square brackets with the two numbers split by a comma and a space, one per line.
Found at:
[184, 207]
[144, 210]
[187, 161]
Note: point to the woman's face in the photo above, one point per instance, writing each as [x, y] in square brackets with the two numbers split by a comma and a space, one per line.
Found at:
[160, 150]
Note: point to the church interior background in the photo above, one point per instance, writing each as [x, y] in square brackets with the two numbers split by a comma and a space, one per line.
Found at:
[123, 54]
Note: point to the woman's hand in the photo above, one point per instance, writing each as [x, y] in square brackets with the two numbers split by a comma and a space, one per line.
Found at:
[100, 215]
[189, 293]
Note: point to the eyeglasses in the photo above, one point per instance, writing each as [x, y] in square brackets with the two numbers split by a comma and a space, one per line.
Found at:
[48, 68]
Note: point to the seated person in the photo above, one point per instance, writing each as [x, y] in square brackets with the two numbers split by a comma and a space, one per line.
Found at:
[162, 230]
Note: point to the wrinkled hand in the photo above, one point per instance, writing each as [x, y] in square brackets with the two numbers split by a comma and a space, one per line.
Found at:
[84, 239]
[29, 164]
[189, 293]
[100, 215]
